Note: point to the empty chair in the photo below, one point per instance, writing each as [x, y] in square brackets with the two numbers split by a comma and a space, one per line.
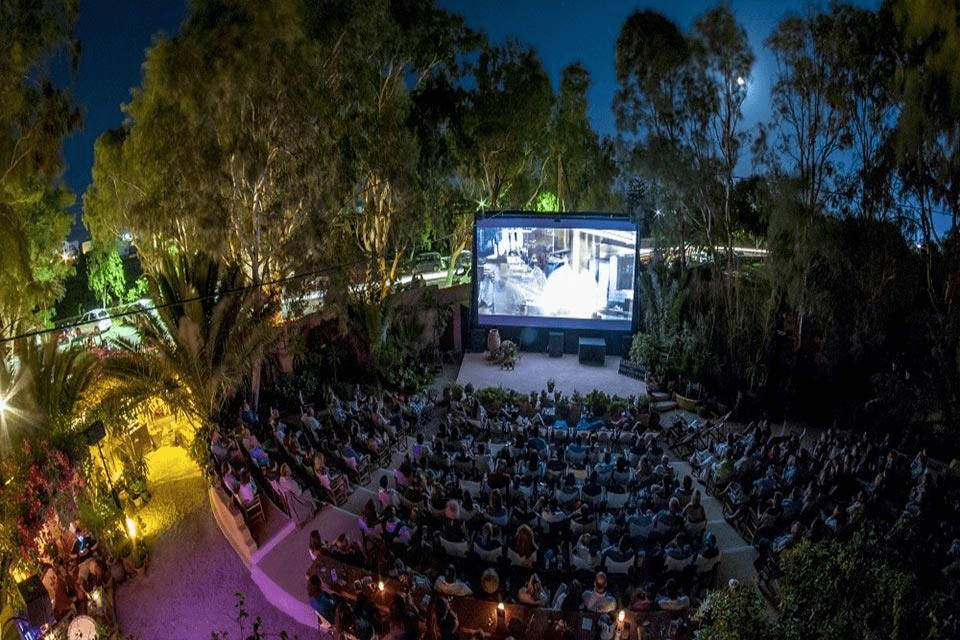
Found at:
[253, 511]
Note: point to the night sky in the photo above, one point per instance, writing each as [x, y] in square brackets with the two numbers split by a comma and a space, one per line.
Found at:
[115, 36]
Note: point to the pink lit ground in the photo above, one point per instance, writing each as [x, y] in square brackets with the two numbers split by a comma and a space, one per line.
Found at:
[189, 589]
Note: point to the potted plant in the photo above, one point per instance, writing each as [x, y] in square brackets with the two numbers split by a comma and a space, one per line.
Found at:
[141, 559]
[137, 490]
[125, 554]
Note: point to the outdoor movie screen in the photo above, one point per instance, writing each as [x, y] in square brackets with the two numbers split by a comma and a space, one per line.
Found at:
[555, 270]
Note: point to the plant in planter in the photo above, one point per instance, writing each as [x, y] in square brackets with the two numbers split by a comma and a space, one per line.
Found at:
[137, 490]
[140, 558]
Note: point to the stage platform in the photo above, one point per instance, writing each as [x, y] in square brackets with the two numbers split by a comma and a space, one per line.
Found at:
[532, 371]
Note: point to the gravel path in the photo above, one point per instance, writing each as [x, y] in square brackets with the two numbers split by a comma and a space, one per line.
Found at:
[190, 588]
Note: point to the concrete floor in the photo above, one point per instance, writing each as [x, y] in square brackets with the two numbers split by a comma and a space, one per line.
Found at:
[532, 371]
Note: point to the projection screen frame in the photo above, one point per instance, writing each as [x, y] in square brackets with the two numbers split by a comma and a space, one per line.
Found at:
[566, 220]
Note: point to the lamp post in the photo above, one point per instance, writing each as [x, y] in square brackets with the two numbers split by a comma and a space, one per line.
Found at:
[95, 433]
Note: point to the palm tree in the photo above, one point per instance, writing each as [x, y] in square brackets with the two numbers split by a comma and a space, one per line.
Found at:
[206, 338]
[41, 386]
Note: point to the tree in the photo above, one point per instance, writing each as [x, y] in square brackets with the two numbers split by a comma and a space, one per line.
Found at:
[929, 78]
[228, 147]
[735, 613]
[209, 330]
[723, 58]
[36, 115]
[580, 168]
[506, 124]
[811, 103]
[42, 387]
[106, 277]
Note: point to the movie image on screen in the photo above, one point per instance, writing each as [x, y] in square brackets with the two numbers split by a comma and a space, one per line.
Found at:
[564, 273]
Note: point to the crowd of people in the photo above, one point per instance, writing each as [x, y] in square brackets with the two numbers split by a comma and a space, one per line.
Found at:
[586, 515]
[298, 460]
[528, 510]
[778, 490]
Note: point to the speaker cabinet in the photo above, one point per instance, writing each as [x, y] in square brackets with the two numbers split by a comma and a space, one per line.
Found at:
[555, 344]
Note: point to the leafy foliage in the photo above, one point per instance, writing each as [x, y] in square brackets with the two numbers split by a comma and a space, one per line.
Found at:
[209, 331]
[36, 115]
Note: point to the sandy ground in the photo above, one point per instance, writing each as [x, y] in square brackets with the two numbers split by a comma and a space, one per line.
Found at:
[190, 588]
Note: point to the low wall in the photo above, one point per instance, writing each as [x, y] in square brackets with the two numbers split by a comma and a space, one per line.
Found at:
[232, 525]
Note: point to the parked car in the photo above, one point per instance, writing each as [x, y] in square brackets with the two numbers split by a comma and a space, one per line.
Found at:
[95, 322]
[429, 262]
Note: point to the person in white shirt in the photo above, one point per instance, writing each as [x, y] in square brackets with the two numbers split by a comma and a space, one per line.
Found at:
[449, 585]
[597, 599]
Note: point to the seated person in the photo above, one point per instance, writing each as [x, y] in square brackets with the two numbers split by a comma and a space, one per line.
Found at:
[668, 521]
[218, 449]
[523, 551]
[497, 512]
[386, 495]
[322, 602]
[247, 490]
[368, 518]
[622, 473]
[534, 593]
[620, 554]
[640, 522]
[694, 515]
[673, 599]
[604, 469]
[350, 455]
[248, 415]
[448, 584]
[486, 543]
[583, 555]
[597, 600]
[575, 452]
[315, 545]
[568, 494]
[592, 490]
[709, 554]
[677, 554]
[345, 551]
[230, 479]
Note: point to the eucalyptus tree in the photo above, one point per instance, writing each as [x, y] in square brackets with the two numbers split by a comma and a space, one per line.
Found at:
[869, 48]
[505, 123]
[680, 112]
[37, 113]
[812, 103]
[723, 60]
[227, 146]
[580, 169]
[409, 52]
[928, 139]
[653, 64]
